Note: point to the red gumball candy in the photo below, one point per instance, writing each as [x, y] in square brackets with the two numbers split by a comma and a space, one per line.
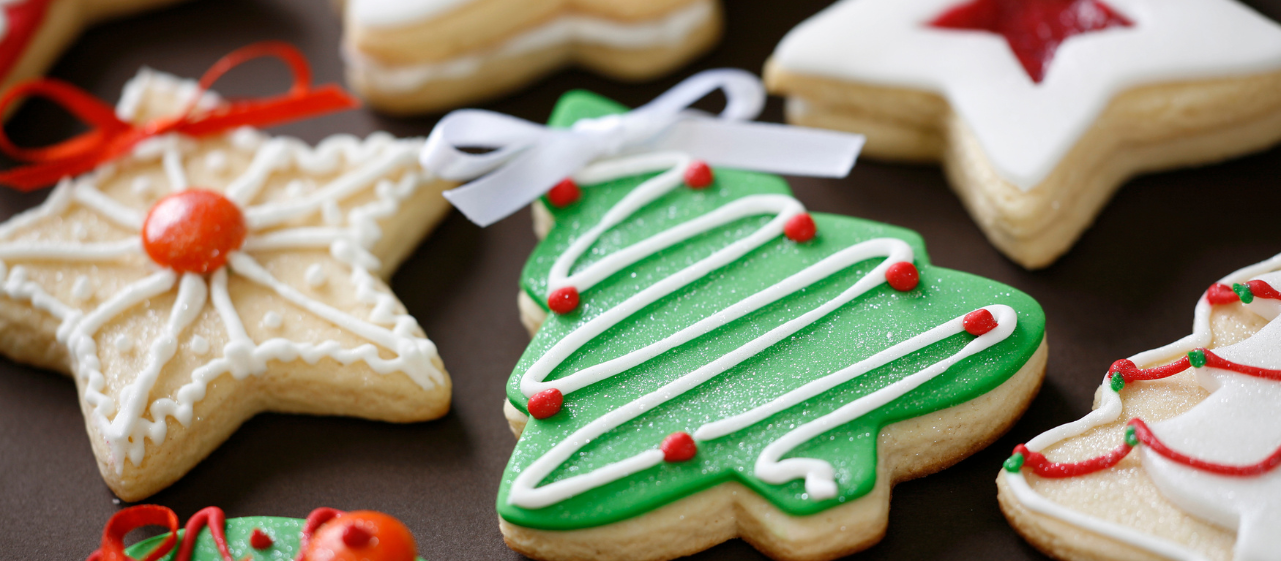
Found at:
[678, 447]
[564, 193]
[563, 300]
[903, 276]
[800, 228]
[193, 231]
[546, 403]
[978, 322]
[698, 175]
[361, 536]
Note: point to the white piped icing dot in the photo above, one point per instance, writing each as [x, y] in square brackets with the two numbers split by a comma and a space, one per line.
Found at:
[246, 138]
[272, 320]
[124, 343]
[315, 276]
[81, 290]
[216, 161]
[199, 345]
[141, 186]
[79, 232]
[332, 212]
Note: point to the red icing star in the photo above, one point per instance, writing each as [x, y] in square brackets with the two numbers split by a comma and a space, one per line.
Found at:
[1033, 28]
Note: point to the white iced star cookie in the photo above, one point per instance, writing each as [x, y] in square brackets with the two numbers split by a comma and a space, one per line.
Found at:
[1202, 411]
[196, 282]
[1036, 126]
[418, 56]
[33, 33]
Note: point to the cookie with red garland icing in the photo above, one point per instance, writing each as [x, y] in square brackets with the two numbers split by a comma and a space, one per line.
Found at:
[33, 33]
[1205, 482]
[419, 56]
[325, 535]
[194, 282]
[1038, 110]
[712, 361]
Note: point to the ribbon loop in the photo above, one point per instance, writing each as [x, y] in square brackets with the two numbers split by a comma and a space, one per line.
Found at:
[527, 158]
[109, 137]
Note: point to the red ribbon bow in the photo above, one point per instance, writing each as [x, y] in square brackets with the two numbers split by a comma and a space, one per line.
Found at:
[111, 137]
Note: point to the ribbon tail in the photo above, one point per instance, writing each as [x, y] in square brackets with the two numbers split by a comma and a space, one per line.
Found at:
[508, 189]
[263, 114]
[765, 147]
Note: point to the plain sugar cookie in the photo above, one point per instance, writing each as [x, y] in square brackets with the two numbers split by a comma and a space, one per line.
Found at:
[419, 56]
[193, 282]
[1203, 483]
[712, 361]
[1036, 126]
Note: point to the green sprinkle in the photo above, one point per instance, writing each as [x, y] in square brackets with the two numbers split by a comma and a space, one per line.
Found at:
[1118, 382]
[1243, 292]
[1197, 358]
[1131, 438]
[1014, 463]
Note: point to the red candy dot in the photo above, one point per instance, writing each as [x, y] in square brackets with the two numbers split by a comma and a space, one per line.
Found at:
[260, 540]
[698, 175]
[193, 231]
[563, 300]
[1220, 293]
[903, 276]
[678, 447]
[800, 228]
[546, 403]
[361, 536]
[978, 322]
[564, 194]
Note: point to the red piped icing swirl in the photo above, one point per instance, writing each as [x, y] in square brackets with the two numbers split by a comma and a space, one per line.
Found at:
[132, 518]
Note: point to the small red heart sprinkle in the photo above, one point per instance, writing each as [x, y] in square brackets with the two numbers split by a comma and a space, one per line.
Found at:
[800, 228]
[564, 194]
[903, 276]
[546, 403]
[678, 447]
[260, 540]
[978, 322]
[698, 175]
[563, 300]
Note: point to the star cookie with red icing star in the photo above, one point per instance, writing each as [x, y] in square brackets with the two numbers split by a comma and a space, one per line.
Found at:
[196, 281]
[34, 32]
[1038, 110]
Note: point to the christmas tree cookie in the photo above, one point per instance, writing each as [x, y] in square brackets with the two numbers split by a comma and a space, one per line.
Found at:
[1204, 482]
[326, 535]
[713, 361]
[193, 279]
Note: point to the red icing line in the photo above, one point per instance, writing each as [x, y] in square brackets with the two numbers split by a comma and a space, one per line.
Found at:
[1146, 436]
[315, 520]
[1215, 361]
[1129, 372]
[24, 19]
[1045, 468]
[132, 518]
[212, 517]
[1219, 294]
[1034, 29]
[1263, 290]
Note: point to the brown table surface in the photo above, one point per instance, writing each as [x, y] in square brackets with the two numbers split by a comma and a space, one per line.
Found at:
[1129, 285]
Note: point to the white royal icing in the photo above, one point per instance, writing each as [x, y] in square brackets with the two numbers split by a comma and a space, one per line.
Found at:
[1235, 425]
[121, 419]
[819, 476]
[397, 13]
[1026, 128]
[571, 28]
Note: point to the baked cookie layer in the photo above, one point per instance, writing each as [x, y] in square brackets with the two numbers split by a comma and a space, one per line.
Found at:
[468, 51]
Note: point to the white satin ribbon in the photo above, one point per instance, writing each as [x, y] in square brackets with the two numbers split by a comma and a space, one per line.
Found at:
[527, 158]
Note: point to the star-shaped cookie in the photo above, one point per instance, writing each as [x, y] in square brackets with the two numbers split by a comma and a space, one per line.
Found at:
[1038, 110]
[34, 32]
[418, 56]
[196, 282]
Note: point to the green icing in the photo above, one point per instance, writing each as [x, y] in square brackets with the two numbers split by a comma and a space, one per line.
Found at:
[284, 533]
[869, 324]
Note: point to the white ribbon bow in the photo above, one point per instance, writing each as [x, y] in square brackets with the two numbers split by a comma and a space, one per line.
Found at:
[528, 158]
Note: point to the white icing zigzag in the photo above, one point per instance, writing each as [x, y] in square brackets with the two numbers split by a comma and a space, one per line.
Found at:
[121, 421]
[819, 476]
